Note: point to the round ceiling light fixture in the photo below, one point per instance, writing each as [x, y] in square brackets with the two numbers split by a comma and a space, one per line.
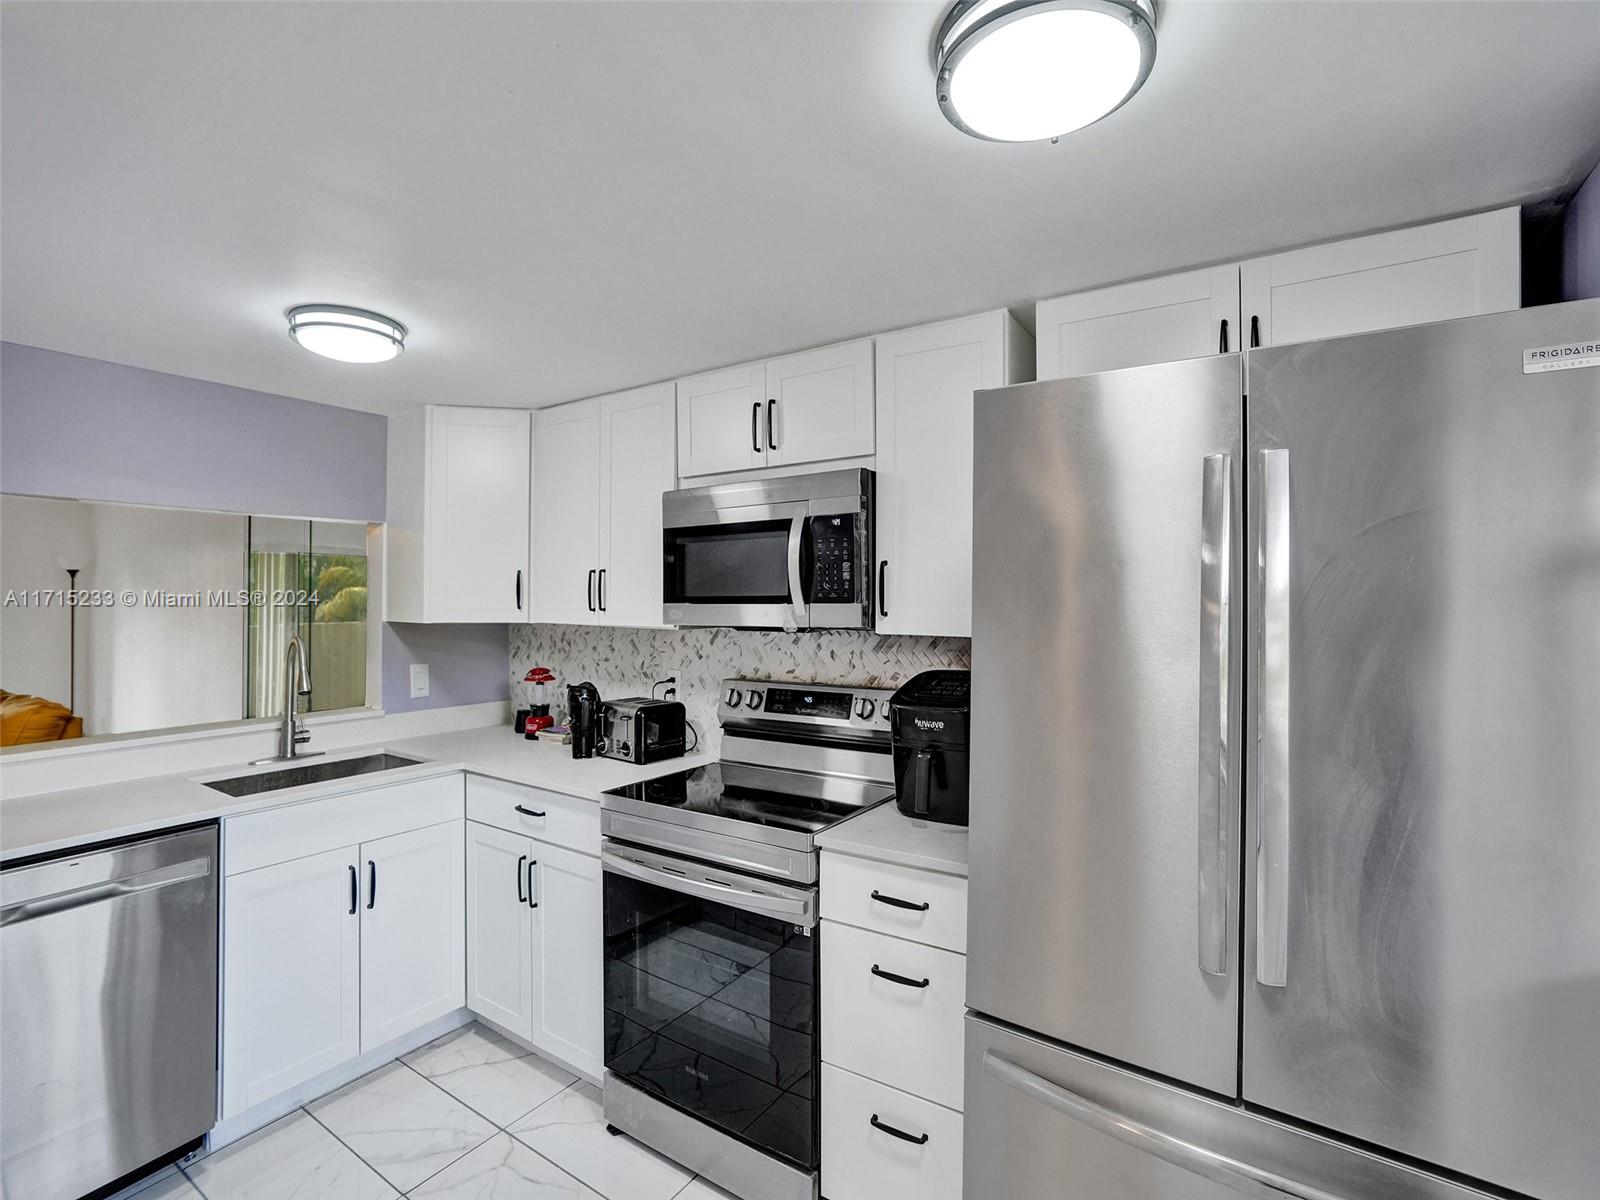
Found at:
[1026, 70]
[353, 335]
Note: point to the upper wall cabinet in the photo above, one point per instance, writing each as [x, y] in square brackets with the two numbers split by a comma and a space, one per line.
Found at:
[926, 378]
[1436, 272]
[814, 406]
[600, 467]
[457, 545]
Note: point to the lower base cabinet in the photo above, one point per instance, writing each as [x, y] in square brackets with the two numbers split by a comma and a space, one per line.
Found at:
[879, 1143]
[534, 963]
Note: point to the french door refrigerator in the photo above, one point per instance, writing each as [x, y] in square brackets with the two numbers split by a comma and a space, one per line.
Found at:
[1285, 835]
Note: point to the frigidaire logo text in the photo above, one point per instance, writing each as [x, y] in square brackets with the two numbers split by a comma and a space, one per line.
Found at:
[924, 723]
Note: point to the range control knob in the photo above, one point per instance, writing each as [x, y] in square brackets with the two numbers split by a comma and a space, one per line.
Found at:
[733, 698]
[865, 708]
[753, 698]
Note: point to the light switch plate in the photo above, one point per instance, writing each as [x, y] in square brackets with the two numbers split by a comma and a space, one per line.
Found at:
[419, 680]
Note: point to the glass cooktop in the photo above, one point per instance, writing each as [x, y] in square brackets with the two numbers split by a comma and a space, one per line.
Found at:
[786, 800]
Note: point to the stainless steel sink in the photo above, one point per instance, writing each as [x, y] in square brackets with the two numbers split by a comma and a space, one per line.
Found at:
[339, 768]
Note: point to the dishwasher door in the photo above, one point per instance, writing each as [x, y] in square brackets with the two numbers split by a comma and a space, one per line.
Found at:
[108, 985]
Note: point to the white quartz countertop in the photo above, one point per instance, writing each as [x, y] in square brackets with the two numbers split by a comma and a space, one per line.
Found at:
[52, 821]
[885, 834]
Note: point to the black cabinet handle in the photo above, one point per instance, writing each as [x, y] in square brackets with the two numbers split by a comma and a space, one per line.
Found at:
[899, 1133]
[900, 979]
[602, 589]
[532, 863]
[1255, 332]
[772, 436]
[896, 902]
[755, 427]
[1222, 339]
[590, 589]
[352, 889]
[372, 884]
[522, 892]
[519, 589]
[528, 812]
[883, 599]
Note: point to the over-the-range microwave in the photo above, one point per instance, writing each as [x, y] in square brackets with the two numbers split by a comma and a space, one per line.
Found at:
[793, 552]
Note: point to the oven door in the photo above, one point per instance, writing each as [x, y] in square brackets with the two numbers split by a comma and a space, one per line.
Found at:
[738, 567]
[711, 996]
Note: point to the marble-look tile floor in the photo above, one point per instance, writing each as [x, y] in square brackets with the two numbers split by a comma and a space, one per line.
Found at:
[468, 1117]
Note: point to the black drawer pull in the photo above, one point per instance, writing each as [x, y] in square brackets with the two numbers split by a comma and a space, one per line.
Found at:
[372, 883]
[900, 979]
[352, 889]
[1255, 332]
[528, 812]
[532, 863]
[915, 1140]
[896, 902]
[1222, 341]
[522, 891]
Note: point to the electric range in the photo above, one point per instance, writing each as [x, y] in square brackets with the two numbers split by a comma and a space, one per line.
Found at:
[712, 935]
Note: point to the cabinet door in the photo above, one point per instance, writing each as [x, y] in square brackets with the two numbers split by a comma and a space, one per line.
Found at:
[1188, 315]
[499, 928]
[722, 420]
[636, 466]
[1438, 272]
[477, 521]
[926, 378]
[413, 930]
[820, 404]
[566, 514]
[291, 975]
[567, 941]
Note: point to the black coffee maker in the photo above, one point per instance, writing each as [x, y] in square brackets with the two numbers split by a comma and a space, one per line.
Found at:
[583, 718]
[929, 721]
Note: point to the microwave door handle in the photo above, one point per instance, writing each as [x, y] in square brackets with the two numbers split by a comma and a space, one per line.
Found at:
[797, 596]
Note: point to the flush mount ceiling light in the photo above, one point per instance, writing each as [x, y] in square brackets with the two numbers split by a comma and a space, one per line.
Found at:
[1025, 70]
[352, 335]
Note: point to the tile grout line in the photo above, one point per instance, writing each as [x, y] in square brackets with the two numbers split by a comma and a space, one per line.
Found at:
[305, 1108]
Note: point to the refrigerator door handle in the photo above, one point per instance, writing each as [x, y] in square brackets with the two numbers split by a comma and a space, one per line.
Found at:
[1216, 583]
[1272, 727]
[1242, 1177]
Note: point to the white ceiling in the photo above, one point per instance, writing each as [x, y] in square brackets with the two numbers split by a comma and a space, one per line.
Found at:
[562, 199]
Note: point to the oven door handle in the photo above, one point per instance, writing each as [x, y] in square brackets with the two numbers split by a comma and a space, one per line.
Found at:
[797, 910]
[797, 596]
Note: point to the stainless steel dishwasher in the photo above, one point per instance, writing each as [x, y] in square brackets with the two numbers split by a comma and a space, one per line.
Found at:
[108, 990]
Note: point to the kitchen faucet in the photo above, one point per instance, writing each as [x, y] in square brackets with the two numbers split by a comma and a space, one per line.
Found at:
[297, 683]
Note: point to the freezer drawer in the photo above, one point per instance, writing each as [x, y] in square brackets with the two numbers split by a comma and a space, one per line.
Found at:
[1045, 1123]
[108, 1047]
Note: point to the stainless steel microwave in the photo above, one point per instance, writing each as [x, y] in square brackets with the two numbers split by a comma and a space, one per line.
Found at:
[793, 552]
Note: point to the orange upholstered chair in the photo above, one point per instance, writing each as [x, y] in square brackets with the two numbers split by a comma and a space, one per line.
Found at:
[28, 719]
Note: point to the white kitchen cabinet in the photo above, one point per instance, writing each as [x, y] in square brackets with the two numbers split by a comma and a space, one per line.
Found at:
[1436, 272]
[1459, 268]
[814, 406]
[500, 928]
[819, 404]
[456, 548]
[566, 514]
[413, 930]
[1187, 315]
[291, 975]
[926, 378]
[722, 420]
[879, 1143]
[600, 467]
[568, 967]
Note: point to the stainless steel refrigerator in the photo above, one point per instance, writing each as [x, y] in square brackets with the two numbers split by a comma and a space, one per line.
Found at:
[1285, 855]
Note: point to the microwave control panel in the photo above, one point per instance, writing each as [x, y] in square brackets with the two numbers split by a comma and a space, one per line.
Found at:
[833, 541]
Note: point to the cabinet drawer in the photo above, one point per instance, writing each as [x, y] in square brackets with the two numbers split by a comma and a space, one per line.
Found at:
[864, 893]
[549, 816]
[861, 1161]
[892, 1011]
[281, 834]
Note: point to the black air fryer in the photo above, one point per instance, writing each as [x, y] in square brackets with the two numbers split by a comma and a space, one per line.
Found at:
[928, 718]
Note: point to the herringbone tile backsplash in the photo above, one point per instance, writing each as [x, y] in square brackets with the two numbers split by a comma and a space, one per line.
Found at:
[625, 662]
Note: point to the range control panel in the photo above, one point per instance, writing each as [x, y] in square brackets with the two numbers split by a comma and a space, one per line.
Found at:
[814, 705]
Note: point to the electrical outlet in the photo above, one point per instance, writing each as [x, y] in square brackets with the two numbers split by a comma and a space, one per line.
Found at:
[674, 690]
[419, 680]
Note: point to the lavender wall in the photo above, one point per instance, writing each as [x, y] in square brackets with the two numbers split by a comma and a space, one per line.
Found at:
[91, 430]
[466, 664]
[1580, 273]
